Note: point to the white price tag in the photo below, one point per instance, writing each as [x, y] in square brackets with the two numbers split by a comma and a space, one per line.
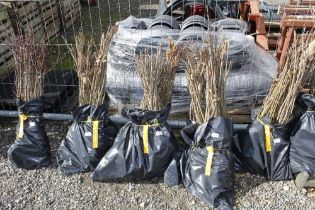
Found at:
[32, 124]
[159, 133]
[88, 134]
[276, 141]
[215, 135]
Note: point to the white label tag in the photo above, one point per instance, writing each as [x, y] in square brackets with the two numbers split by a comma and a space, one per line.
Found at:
[88, 134]
[215, 135]
[276, 141]
[32, 124]
[159, 133]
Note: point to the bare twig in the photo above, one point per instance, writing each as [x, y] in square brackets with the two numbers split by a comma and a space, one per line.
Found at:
[299, 66]
[206, 74]
[90, 64]
[30, 68]
[157, 73]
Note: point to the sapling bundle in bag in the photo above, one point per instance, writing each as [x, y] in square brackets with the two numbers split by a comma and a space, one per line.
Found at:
[266, 144]
[145, 146]
[142, 149]
[91, 134]
[31, 149]
[265, 149]
[87, 140]
[302, 151]
[207, 164]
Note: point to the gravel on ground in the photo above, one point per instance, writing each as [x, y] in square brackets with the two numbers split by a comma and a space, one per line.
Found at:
[48, 189]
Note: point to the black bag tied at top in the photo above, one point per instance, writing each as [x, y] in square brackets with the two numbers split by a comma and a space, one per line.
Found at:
[31, 149]
[88, 139]
[207, 166]
[143, 148]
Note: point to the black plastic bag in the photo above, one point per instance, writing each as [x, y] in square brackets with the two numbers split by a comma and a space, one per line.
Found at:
[249, 149]
[143, 148]
[278, 159]
[302, 151]
[88, 139]
[31, 149]
[172, 175]
[207, 166]
[236, 149]
[264, 149]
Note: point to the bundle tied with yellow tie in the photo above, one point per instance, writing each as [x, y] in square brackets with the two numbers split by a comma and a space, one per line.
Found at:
[31, 149]
[146, 144]
[87, 140]
[264, 149]
[91, 134]
[265, 146]
[302, 150]
[207, 164]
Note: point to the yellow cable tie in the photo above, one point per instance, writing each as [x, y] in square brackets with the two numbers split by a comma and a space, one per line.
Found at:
[155, 122]
[267, 138]
[209, 160]
[145, 139]
[95, 134]
[22, 118]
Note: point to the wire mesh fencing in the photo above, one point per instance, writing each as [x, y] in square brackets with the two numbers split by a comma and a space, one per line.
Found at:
[58, 21]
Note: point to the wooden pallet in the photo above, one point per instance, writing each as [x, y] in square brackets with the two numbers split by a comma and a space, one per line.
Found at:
[293, 18]
[297, 10]
[44, 17]
[291, 13]
[6, 31]
[70, 11]
[50, 17]
[250, 11]
[302, 2]
[26, 17]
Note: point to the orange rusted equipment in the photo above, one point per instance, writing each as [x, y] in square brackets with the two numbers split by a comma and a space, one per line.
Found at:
[250, 11]
[295, 17]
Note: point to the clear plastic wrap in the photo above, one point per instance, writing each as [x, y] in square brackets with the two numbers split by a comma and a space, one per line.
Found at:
[249, 79]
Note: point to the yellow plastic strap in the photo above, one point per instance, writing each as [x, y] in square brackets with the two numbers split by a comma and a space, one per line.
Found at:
[267, 138]
[209, 160]
[145, 139]
[268, 135]
[21, 129]
[95, 134]
[155, 122]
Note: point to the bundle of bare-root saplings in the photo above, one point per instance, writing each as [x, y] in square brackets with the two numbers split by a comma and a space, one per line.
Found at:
[207, 165]
[302, 155]
[92, 134]
[265, 146]
[31, 149]
[145, 145]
